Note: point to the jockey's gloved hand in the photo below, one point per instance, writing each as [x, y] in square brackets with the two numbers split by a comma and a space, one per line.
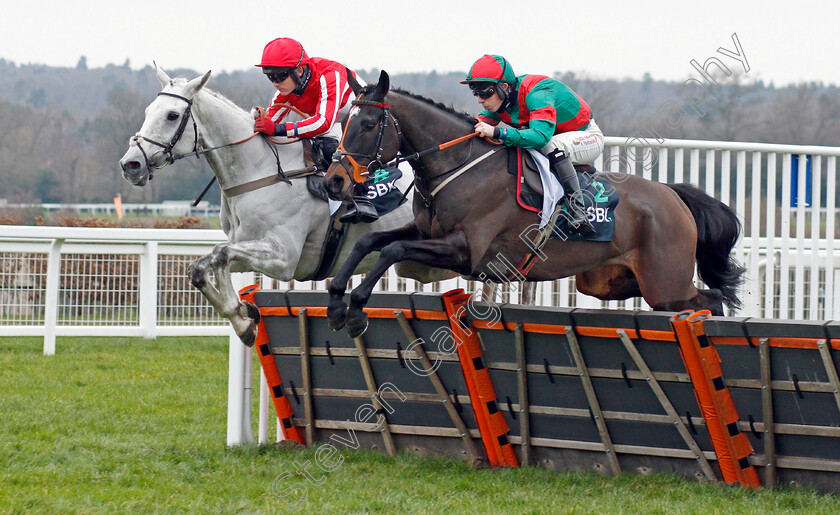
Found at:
[267, 126]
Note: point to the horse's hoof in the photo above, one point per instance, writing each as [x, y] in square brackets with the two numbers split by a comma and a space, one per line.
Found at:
[249, 336]
[253, 312]
[336, 315]
[357, 329]
[353, 333]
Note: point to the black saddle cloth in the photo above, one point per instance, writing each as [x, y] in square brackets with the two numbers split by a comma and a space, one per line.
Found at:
[381, 189]
[600, 197]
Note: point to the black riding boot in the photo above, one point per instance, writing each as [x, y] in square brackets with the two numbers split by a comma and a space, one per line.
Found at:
[562, 167]
[359, 209]
[327, 147]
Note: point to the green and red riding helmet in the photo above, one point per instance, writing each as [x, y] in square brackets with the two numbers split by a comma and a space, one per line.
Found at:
[495, 70]
[491, 68]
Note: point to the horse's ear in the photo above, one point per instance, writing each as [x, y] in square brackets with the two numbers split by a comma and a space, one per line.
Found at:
[162, 77]
[354, 84]
[383, 85]
[197, 83]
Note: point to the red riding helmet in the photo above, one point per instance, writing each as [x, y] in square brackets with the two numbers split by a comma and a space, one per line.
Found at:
[283, 53]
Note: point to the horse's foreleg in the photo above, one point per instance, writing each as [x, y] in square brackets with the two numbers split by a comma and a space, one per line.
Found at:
[371, 242]
[198, 272]
[266, 256]
[452, 252]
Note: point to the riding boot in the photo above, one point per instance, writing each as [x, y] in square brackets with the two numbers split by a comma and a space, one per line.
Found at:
[562, 167]
[327, 146]
[359, 209]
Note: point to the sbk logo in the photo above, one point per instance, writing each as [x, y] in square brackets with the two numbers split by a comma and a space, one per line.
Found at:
[598, 214]
[381, 188]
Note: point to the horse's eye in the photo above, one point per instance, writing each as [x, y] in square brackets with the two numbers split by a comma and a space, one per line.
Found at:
[172, 116]
[368, 126]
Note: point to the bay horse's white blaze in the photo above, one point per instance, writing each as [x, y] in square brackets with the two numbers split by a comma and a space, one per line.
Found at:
[277, 230]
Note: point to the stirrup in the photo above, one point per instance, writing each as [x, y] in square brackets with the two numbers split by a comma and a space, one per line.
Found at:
[584, 228]
[579, 223]
[359, 210]
[544, 234]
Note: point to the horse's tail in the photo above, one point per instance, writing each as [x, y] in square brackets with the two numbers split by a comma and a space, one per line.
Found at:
[718, 229]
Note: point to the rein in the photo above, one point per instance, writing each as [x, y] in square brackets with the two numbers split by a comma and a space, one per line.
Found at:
[198, 151]
[359, 173]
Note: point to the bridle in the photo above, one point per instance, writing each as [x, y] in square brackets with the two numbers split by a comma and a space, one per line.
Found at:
[281, 176]
[358, 172]
[167, 148]
[196, 151]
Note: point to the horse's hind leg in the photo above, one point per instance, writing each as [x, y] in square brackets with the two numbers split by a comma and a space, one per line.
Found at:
[611, 282]
[664, 259]
[711, 300]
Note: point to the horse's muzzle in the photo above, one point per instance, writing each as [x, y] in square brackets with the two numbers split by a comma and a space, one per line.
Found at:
[338, 188]
[134, 171]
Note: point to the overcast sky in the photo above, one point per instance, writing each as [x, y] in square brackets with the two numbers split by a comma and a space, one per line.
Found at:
[782, 42]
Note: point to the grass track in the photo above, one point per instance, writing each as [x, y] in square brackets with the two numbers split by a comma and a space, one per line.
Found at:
[126, 425]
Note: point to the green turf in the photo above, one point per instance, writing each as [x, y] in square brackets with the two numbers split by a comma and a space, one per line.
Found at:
[125, 425]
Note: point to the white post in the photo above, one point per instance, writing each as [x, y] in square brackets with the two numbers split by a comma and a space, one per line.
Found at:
[265, 402]
[148, 290]
[264, 409]
[836, 314]
[236, 384]
[239, 381]
[51, 297]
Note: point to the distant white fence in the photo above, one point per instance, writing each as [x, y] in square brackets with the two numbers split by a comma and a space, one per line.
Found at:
[166, 208]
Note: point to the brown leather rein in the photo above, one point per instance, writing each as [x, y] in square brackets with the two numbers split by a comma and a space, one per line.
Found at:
[280, 176]
[358, 173]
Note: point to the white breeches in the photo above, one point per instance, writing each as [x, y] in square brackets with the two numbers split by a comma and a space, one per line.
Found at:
[583, 147]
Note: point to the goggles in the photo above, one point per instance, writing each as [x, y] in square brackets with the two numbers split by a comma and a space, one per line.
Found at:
[483, 93]
[278, 76]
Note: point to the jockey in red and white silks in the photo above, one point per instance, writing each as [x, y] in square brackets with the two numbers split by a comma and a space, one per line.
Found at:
[317, 87]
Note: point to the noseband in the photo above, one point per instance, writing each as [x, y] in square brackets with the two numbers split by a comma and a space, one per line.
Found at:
[359, 173]
[167, 148]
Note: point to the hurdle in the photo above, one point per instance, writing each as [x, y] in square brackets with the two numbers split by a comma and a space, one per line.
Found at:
[609, 391]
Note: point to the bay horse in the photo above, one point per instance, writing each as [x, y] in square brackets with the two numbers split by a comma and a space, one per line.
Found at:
[466, 218]
[277, 229]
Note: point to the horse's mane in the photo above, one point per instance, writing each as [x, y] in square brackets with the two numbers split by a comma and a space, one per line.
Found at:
[182, 81]
[224, 99]
[370, 88]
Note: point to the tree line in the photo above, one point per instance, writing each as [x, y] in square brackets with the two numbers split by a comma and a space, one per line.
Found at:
[63, 130]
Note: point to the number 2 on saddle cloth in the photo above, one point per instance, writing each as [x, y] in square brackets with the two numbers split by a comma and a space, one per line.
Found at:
[599, 197]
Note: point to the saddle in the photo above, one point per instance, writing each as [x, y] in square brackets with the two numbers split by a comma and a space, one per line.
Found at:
[529, 188]
[600, 199]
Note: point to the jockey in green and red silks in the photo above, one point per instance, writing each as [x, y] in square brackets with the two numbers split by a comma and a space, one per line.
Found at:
[542, 113]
